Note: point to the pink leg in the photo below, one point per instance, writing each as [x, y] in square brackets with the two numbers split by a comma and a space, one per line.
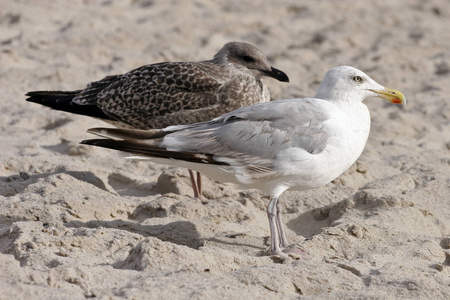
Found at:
[199, 185]
[281, 232]
[274, 231]
[194, 184]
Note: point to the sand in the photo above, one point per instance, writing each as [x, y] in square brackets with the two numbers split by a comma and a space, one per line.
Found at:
[79, 222]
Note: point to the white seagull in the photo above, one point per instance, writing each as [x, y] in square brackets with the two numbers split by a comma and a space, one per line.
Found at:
[291, 144]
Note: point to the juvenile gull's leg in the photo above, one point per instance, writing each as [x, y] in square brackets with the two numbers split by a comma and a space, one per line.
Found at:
[199, 184]
[194, 184]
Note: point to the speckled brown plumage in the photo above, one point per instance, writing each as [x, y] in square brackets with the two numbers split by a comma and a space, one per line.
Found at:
[163, 94]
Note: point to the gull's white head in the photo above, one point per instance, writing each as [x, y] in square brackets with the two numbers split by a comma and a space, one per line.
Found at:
[346, 83]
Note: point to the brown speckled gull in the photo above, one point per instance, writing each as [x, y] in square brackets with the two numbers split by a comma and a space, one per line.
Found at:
[172, 93]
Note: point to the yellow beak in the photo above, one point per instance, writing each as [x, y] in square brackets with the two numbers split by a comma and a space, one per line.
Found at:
[391, 95]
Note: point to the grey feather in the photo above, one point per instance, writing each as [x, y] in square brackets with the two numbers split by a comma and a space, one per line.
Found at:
[249, 137]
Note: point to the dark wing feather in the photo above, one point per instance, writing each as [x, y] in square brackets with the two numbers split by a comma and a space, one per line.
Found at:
[61, 100]
[142, 148]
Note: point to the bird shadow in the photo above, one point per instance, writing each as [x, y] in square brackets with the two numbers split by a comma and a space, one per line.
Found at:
[178, 232]
[313, 222]
[57, 123]
[182, 233]
[66, 147]
[233, 243]
[17, 183]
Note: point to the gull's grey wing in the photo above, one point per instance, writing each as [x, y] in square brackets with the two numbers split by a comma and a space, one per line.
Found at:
[260, 129]
[254, 136]
[155, 96]
[250, 139]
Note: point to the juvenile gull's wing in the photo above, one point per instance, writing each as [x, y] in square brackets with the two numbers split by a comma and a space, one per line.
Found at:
[156, 94]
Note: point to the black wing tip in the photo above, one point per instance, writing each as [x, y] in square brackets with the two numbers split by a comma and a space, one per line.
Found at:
[34, 93]
[144, 150]
[94, 142]
[52, 93]
[106, 143]
[34, 96]
[86, 142]
[40, 93]
[63, 101]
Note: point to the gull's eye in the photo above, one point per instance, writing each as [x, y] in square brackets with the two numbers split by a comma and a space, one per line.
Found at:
[357, 78]
[248, 58]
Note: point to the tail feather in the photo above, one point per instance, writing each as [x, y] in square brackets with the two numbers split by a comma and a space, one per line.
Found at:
[128, 134]
[62, 100]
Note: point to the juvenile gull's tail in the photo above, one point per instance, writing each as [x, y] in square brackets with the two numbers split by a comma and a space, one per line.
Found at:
[62, 100]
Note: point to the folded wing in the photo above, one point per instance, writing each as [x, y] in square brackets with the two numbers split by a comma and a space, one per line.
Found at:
[248, 140]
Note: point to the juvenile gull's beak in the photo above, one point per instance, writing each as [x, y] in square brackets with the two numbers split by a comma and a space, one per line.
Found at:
[277, 74]
[391, 95]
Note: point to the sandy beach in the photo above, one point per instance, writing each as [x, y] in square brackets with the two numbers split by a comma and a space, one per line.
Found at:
[81, 222]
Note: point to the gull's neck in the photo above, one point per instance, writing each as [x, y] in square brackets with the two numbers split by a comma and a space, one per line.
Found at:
[350, 103]
[338, 95]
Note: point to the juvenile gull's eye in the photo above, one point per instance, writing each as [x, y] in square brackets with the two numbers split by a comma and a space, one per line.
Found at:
[357, 78]
[248, 58]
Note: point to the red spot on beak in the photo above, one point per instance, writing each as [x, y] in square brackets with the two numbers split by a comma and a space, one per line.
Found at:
[396, 100]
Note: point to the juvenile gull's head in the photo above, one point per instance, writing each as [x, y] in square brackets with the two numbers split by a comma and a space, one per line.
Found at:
[248, 58]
